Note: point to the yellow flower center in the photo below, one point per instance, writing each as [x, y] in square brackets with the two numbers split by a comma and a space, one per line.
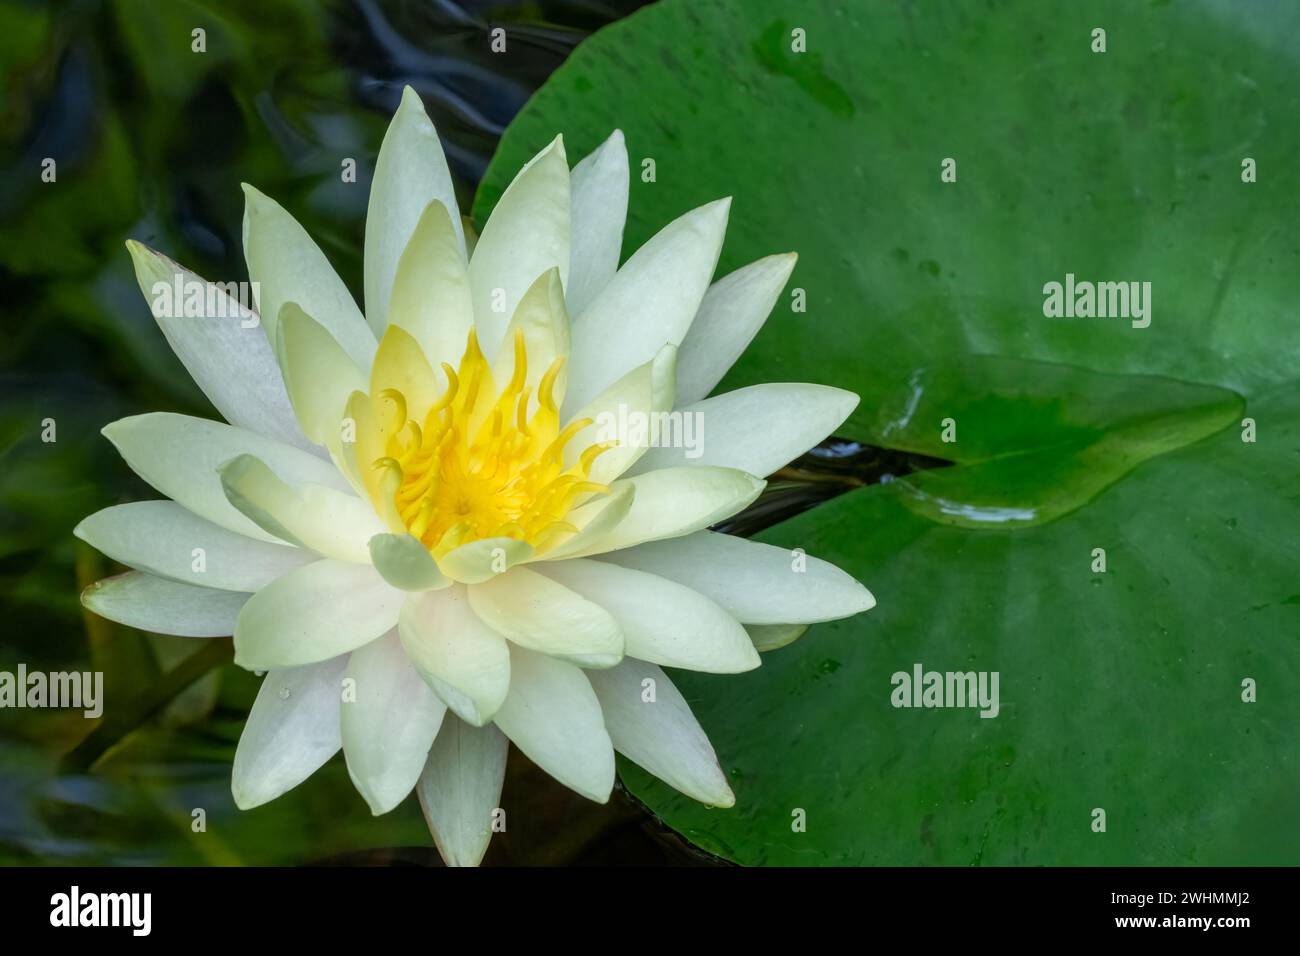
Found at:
[475, 463]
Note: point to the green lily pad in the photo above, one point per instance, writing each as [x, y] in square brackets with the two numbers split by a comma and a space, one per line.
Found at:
[1126, 690]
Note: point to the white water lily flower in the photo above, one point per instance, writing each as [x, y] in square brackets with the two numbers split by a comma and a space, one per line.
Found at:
[411, 522]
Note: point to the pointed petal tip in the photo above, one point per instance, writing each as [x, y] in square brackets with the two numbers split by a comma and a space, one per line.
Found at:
[724, 801]
[254, 200]
[241, 659]
[87, 595]
[845, 400]
[80, 532]
[868, 599]
[596, 796]
[710, 216]
[555, 148]
[244, 799]
[112, 428]
[666, 355]
[374, 804]
[598, 662]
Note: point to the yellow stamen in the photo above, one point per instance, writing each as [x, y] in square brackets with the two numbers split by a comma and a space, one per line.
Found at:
[482, 463]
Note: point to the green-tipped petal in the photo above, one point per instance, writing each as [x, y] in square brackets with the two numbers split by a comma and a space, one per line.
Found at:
[332, 523]
[483, 559]
[676, 501]
[405, 563]
[179, 456]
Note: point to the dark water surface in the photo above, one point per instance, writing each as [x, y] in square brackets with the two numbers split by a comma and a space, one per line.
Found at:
[151, 141]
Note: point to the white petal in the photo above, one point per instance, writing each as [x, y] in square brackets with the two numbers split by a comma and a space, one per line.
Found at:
[675, 501]
[431, 297]
[649, 303]
[756, 429]
[410, 173]
[332, 523]
[460, 789]
[162, 538]
[552, 715]
[660, 734]
[535, 612]
[291, 731]
[755, 583]
[318, 374]
[179, 456]
[389, 727]
[315, 613]
[662, 621]
[544, 323]
[732, 312]
[405, 563]
[526, 235]
[226, 353]
[465, 662]
[483, 559]
[625, 413]
[164, 607]
[599, 212]
[401, 364]
[289, 267]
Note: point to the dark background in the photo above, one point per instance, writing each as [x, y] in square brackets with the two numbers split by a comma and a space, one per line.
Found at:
[151, 142]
